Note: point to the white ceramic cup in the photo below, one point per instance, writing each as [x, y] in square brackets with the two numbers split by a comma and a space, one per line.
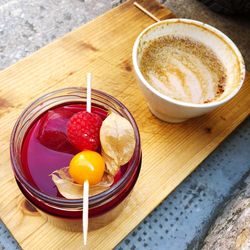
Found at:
[172, 110]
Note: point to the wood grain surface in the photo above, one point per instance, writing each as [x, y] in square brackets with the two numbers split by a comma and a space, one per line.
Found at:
[170, 152]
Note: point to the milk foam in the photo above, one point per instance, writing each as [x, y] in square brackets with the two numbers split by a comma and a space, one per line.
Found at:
[183, 69]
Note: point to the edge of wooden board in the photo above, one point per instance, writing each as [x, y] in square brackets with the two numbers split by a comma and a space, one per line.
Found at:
[128, 3]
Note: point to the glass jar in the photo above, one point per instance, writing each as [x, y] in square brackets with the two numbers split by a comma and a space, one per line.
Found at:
[67, 213]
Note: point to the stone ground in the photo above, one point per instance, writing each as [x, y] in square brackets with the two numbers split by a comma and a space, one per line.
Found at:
[182, 220]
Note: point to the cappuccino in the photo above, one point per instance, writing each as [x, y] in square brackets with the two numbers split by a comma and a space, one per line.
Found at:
[183, 69]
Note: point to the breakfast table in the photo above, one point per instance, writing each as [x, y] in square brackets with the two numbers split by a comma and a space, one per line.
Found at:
[182, 220]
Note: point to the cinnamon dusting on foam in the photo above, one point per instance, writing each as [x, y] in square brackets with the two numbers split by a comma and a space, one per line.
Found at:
[183, 69]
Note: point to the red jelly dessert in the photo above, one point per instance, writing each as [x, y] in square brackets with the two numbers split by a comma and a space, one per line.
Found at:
[40, 144]
[46, 146]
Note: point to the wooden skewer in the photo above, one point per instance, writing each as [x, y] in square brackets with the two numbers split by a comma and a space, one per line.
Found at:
[146, 12]
[89, 79]
[85, 200]
[85, 214]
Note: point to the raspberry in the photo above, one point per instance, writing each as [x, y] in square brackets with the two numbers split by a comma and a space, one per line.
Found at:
[83, 130]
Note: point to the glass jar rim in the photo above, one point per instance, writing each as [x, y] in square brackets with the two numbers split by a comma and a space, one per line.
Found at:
[93, 200]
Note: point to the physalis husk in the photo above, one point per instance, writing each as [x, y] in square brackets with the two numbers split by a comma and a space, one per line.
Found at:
[71, 190]
[118, 142]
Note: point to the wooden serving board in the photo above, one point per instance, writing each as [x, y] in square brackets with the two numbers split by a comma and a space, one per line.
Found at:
[170, 151]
